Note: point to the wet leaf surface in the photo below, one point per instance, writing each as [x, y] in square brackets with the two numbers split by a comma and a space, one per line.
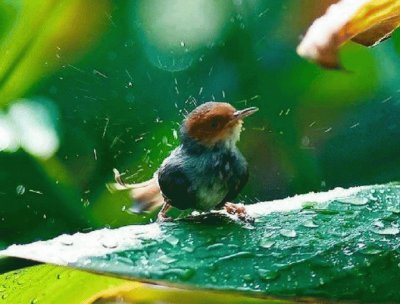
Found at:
[344, 245]
[55, 284]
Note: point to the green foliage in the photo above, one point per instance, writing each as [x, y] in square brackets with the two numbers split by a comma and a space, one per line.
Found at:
[342, 245]
[51, 284]
[55, 284]
[396, 41]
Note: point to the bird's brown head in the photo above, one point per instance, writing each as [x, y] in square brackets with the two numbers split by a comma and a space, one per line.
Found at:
[215, 122]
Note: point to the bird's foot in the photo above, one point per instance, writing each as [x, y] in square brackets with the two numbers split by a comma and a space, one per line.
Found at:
[162, 218]
[239, 210]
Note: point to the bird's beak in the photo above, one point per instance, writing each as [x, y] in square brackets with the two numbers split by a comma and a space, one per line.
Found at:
[240, 114]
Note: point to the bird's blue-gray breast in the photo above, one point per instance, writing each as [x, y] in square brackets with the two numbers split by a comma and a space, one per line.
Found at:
[192, 177]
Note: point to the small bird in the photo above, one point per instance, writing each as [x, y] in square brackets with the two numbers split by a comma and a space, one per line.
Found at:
[207, 171]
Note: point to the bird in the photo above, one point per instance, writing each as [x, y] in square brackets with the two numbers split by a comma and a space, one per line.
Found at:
[205, 172]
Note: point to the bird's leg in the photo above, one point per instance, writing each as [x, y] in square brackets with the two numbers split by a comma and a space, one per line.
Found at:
[162, 216]
[239, 210]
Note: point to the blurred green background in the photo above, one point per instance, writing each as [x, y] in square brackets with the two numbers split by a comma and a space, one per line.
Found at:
[88, 86]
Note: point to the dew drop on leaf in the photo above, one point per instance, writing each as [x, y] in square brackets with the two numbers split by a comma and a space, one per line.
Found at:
[166, 259]
[248, 277]
[173, 241]
[387, 231]
[268, 275]
[110, 244]
[379, 224]
[371, 251]
[288, 233]
[354, 200]
[310, 224]
[266, 244]
[66, 240]
[394, 210]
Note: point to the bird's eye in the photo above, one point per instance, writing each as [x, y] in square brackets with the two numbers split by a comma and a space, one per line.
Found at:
[214, 123]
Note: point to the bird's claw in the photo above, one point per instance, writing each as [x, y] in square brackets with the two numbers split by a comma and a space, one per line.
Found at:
[162, 218]
[162, 214]
[239, 210]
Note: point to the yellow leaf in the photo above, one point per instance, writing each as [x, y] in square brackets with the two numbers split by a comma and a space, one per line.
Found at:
[367, 22]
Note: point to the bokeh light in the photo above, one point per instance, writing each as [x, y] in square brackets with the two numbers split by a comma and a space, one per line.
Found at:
[8, 138]
[34, 126]
[176, 31]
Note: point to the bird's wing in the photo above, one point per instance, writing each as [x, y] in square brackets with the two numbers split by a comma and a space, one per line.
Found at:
[176, 186]
[235, 185]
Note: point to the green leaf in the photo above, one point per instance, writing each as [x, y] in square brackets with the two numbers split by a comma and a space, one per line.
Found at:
[344, 244]
[396, 41]
[55, 284]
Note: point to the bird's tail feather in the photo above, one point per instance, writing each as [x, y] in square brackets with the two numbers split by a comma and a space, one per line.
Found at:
[146, 195]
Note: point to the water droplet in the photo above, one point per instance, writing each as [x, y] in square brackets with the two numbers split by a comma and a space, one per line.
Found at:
[354, 200]
[288, 233]
[310, 224]
[66, 240]
[394, 210]
[347, 251]
[188, 249]
[20, 189]
[266, 244]
[236, 255]
[86, 203]
[248, 277]
[387, 231]
[213, 279]
[34, 301]
[173, 241]
[166, 259]
[183, 43]
[379, 224]
[268, 234]
[184, 274]
[175, 134]
[268, 275]
[371, 251]
[110, 244]
[215, 246]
